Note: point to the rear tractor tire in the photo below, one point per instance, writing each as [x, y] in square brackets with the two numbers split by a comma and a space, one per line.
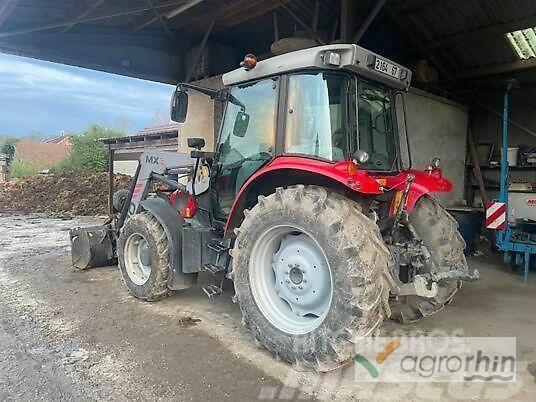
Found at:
[308, 271]
[439, 232]
[144, 257]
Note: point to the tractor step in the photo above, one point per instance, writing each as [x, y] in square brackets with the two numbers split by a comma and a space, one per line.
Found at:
[214, 269]
[217, 246]
[212, 290]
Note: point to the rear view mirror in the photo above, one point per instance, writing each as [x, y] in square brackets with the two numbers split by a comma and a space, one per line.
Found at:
[241, 124]
[179, 106]
[196, 143]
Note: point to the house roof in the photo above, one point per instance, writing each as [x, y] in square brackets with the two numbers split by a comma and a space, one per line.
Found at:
[60, 139]
[43, 155]
[172, 128]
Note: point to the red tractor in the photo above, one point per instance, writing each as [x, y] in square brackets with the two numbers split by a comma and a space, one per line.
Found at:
[308, 205]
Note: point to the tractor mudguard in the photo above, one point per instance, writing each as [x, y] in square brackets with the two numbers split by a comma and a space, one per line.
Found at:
[344, 174]
[172, 223]
[425, 182]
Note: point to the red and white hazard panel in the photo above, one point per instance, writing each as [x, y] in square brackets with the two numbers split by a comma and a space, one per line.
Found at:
[496, 215]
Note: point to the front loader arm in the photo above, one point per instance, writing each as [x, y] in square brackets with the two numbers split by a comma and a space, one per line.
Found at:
[152, 165]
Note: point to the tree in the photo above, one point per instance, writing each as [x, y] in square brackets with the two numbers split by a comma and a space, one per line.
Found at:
[9, 147]
[88, 152]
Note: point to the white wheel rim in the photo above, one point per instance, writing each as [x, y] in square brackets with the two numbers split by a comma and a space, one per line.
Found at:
[137, 259]
[290, 279]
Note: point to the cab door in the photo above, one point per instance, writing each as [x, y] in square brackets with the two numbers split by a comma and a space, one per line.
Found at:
[246, 142]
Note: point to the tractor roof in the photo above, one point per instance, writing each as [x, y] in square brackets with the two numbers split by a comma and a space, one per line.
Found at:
[330, 57]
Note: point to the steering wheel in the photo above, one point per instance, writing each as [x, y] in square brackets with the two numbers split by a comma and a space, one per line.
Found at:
[375, 126]
[260, 156]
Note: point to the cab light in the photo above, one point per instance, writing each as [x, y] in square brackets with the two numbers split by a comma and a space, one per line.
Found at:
[249, 62]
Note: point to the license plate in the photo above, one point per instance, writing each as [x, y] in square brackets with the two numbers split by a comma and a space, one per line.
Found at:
[383, 66]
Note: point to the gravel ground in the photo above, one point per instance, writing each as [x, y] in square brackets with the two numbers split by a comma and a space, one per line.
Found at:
[68, 335]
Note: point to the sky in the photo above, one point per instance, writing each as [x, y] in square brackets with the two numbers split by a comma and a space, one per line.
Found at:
[51, 98]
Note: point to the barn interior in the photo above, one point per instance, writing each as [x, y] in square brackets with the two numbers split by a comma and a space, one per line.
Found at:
[468, 58]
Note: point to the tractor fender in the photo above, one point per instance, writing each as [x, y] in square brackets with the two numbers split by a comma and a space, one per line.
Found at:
[424, 182]
[289, 170]
[172, 224]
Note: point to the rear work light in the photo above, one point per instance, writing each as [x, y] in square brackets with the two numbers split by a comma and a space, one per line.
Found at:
[332, 58]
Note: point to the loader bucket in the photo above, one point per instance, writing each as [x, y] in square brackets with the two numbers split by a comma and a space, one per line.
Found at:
[92, 247]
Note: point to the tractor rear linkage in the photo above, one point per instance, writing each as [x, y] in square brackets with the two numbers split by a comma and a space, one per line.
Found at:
[408, 251]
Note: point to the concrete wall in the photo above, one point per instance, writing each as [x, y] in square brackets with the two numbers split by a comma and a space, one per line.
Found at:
[487, 127]
[125, 167]
[202, 117]
[437, 127]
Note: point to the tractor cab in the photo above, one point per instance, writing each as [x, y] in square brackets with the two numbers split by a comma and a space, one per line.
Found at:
[321, 112]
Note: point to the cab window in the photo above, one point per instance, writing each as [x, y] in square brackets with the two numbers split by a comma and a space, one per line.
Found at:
[247, 139]
[377, 134]
[316, 116]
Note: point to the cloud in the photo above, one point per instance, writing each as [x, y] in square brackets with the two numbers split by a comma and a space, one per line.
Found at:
[49, 97]
[14, 69]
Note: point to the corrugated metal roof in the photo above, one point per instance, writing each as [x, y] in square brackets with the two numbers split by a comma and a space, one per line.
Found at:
[429, 20]
[438, 20]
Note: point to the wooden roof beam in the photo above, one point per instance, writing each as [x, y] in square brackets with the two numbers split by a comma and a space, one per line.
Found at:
[160, 18]
[6, 8]
[142, 21]
[368, 21]
[401, 23]
[149, 18]
[409, 6]
[496, 69]
[232, 15]
[476, 34]
[82, 10]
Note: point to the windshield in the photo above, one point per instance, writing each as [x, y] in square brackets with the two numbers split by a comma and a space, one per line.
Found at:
[377, 133]
[317, 115]
[246, 141]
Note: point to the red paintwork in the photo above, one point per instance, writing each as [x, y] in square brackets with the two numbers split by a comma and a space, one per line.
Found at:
[427, 181]
[187, 203]
[359, 181]
[349, 174]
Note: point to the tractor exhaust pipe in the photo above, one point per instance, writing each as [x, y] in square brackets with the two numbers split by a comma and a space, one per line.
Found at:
[92, 247]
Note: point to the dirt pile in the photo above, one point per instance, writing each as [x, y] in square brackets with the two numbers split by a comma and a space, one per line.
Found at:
[60, 194]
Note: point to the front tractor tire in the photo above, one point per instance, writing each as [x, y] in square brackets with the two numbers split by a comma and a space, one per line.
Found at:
[308, 271]
[144, 257]
[439, 233]
[119, 199]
